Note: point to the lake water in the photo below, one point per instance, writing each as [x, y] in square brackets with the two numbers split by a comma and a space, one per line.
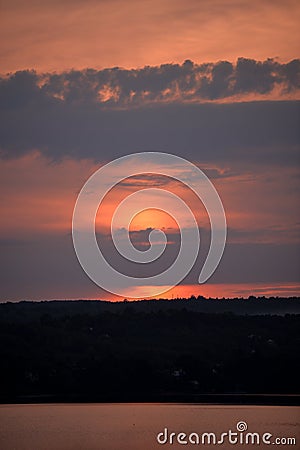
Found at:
[136, 426]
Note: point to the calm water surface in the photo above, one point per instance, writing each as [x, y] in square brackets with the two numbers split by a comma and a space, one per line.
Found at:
[136, 426]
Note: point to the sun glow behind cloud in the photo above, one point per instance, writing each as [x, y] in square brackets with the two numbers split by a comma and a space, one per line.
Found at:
[40, 197]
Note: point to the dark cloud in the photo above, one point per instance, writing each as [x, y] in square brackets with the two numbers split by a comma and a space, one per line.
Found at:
[146, 180]
[217, 82]
[117, 87]
[249, 71]
[189, 81]
[261, 132]
[112, 112]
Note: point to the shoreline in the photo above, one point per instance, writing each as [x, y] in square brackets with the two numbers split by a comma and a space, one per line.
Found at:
[167, 398]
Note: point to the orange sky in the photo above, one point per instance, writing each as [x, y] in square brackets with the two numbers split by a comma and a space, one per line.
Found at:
[40, 197]
[229, 290]
[259, 196]
[54, 35]
[37, 207]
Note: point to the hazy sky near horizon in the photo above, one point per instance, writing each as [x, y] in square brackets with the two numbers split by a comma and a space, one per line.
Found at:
[84, 82]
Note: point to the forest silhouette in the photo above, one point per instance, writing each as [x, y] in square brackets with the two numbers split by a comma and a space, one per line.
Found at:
[156, 350]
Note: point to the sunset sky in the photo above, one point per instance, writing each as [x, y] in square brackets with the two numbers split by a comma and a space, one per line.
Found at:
[84, 82]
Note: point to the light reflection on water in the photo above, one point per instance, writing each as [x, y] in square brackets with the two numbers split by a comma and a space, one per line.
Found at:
[134, 426]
